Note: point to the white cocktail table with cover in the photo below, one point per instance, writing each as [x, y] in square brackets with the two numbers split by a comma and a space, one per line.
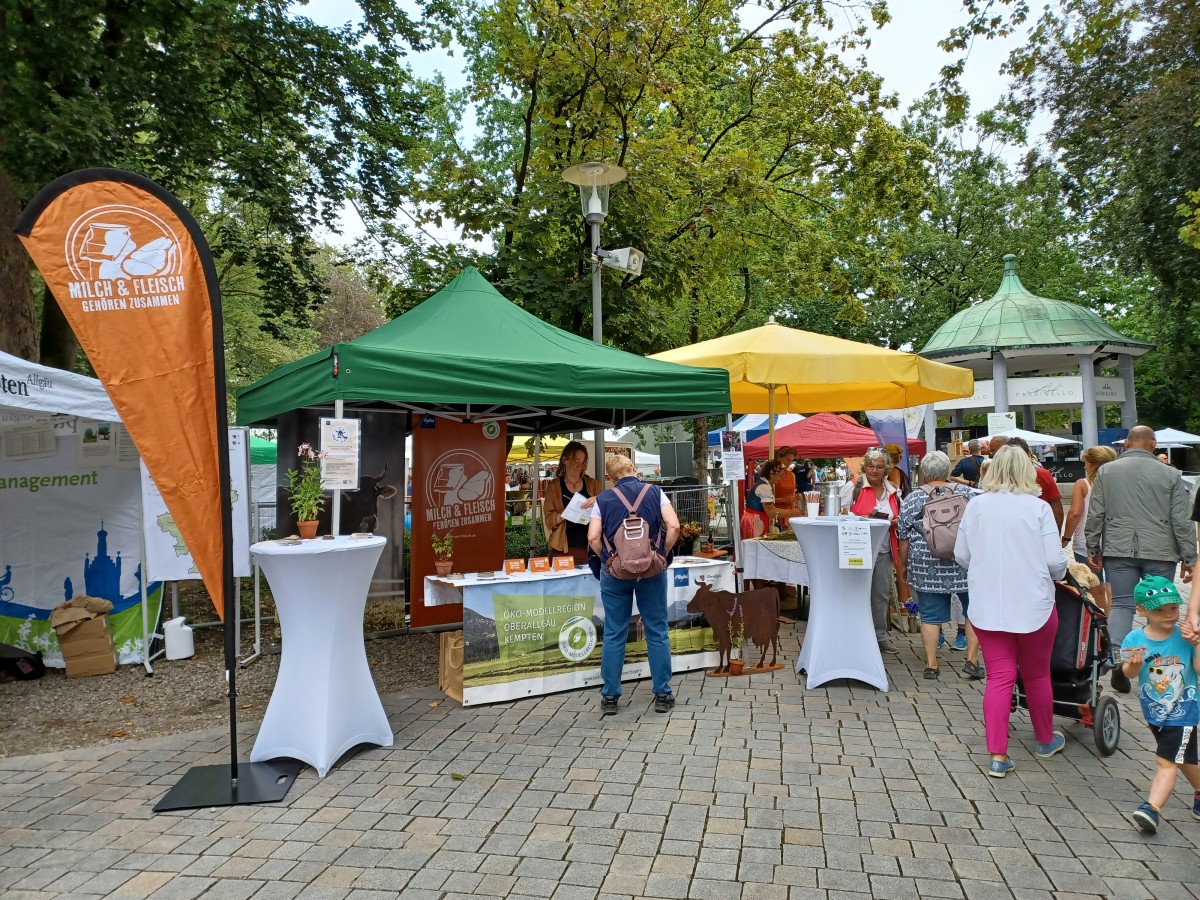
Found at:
[839, 641]
[324, 702]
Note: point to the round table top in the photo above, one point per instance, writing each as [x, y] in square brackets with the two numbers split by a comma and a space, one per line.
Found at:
[835, 520]
[316, 545]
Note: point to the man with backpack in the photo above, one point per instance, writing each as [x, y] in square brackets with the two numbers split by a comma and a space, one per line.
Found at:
[631, 528]
[969, 467]
[927, 529]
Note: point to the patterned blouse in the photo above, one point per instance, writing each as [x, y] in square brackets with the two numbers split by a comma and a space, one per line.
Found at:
[935, 576]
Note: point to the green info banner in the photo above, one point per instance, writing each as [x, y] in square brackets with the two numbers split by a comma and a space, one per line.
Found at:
[533, 635]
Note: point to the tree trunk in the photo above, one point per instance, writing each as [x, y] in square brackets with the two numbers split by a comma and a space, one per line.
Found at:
[700, 447]
[18, 314]
[59, 347]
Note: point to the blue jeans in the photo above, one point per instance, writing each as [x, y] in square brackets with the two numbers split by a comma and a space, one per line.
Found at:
[617, 595]
[935, 607]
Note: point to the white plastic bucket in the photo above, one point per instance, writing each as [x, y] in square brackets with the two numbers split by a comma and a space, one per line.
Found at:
[180, 644]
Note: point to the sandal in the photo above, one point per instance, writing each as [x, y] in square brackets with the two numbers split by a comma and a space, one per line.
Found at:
[931, 672]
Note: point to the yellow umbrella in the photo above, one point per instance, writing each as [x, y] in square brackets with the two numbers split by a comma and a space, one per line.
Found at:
[552, 448]
[774, 369]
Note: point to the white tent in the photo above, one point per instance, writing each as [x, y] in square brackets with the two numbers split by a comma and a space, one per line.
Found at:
[1175, 436]
[70, 499]
[1032, 438]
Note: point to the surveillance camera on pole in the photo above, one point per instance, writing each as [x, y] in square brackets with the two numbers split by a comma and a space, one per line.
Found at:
[627, 259]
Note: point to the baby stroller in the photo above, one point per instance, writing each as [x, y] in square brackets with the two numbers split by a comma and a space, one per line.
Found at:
[1082, 656]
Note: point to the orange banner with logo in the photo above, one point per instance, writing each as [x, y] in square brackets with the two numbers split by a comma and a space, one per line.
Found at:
[458, 489]
[132, 272]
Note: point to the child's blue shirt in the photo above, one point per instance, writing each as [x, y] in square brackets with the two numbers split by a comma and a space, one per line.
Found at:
[1167, 681]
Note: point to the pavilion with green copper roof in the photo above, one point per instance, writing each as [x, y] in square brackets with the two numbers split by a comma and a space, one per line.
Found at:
[1017, 333]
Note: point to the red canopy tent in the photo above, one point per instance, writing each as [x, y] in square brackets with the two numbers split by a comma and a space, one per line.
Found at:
[823, 435]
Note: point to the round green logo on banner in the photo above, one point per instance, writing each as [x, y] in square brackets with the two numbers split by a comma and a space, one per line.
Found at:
[577, 638]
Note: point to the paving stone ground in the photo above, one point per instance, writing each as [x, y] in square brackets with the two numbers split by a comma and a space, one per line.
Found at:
[752, 788]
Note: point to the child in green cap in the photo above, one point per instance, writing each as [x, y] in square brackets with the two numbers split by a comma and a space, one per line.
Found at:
[1165, 665]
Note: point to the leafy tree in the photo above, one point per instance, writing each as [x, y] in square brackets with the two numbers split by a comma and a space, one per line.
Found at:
[761, 164]
[1121, 80]
[239, 98]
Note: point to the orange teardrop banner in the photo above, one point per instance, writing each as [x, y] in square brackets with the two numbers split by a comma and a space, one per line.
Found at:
[132, 272]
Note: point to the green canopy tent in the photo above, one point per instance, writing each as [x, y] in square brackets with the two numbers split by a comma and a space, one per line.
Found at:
[262, 451]
[470, 353]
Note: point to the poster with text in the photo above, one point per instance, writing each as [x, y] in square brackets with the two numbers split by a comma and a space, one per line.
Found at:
[458, 489]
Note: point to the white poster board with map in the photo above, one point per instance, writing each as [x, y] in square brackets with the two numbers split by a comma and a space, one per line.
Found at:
[167, 556]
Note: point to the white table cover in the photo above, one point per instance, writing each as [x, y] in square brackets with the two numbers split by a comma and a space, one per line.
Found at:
[759, 561]
[839, 641]
[324, 700]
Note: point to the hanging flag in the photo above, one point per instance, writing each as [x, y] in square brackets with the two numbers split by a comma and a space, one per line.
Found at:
[889, 427]
[132, 273]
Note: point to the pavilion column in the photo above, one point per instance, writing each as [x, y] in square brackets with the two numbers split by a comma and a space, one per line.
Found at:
[956, 419]
[930, 428]
[1028, 422]
[1087, 409]
[1100, 406]
[1129, 406]
[1000, 382]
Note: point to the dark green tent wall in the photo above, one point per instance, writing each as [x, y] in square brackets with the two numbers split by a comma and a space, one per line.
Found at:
[469, 350]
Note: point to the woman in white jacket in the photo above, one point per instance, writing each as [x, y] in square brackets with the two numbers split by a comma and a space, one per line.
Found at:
[1010, 547]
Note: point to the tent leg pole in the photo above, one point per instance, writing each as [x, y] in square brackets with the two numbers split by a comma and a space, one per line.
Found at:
[535, 480]
[145, 611]
[174, 599]
[258, 618]
[735, 523]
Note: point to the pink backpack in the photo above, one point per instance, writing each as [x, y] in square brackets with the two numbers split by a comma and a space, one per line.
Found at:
[633, 553]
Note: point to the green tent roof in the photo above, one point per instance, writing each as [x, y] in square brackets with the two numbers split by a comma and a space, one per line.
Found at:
[468, 349]
[1015, 319]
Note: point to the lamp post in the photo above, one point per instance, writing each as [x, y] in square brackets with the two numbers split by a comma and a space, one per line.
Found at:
[594, 180]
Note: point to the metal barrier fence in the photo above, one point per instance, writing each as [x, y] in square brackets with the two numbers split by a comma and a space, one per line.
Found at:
[711, 507]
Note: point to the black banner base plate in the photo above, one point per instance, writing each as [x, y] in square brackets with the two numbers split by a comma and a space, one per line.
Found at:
[264, 782]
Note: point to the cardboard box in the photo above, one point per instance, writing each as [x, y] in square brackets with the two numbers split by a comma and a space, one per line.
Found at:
[450, 674]
[87, 648]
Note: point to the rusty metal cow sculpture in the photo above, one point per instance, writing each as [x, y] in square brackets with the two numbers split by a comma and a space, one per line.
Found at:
[756, 612]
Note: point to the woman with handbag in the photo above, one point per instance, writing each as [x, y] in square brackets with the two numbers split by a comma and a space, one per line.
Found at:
[562, 537]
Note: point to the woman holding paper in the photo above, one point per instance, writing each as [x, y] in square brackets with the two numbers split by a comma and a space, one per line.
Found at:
[569, 500]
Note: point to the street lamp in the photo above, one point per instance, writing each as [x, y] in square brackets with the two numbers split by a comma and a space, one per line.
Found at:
[594, 180]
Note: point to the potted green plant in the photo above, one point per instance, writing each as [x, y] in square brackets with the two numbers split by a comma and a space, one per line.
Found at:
[686, 544]
[737, 637]
[443, 552]
[305, 490]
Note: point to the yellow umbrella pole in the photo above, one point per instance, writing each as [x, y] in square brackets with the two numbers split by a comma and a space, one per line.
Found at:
[771, 421]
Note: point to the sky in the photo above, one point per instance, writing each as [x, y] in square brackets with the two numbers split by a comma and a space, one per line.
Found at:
[904, 52]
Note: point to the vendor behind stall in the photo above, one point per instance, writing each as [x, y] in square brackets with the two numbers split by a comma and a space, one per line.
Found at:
[788, 500]
[566, 538]
[761, 512]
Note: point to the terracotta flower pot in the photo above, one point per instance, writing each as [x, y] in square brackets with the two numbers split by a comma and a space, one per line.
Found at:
[735, 666]
[308, 529]
[443, 566]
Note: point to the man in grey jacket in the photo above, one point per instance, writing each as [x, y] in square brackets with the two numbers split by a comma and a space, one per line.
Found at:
[1138, 524]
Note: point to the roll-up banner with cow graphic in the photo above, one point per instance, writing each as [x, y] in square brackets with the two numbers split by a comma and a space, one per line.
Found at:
[132, 273]
[533, 636]
[458, 489]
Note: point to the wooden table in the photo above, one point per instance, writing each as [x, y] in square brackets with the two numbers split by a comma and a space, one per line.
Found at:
[710, 554]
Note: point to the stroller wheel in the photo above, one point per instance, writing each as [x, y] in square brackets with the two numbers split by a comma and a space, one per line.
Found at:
[1107, 726]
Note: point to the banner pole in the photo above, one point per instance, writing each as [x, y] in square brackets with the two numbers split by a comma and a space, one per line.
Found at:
[335, 519]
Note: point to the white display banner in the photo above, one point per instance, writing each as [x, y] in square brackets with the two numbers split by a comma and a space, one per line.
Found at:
[69, 530]
[1059, 391]
[167, 556]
